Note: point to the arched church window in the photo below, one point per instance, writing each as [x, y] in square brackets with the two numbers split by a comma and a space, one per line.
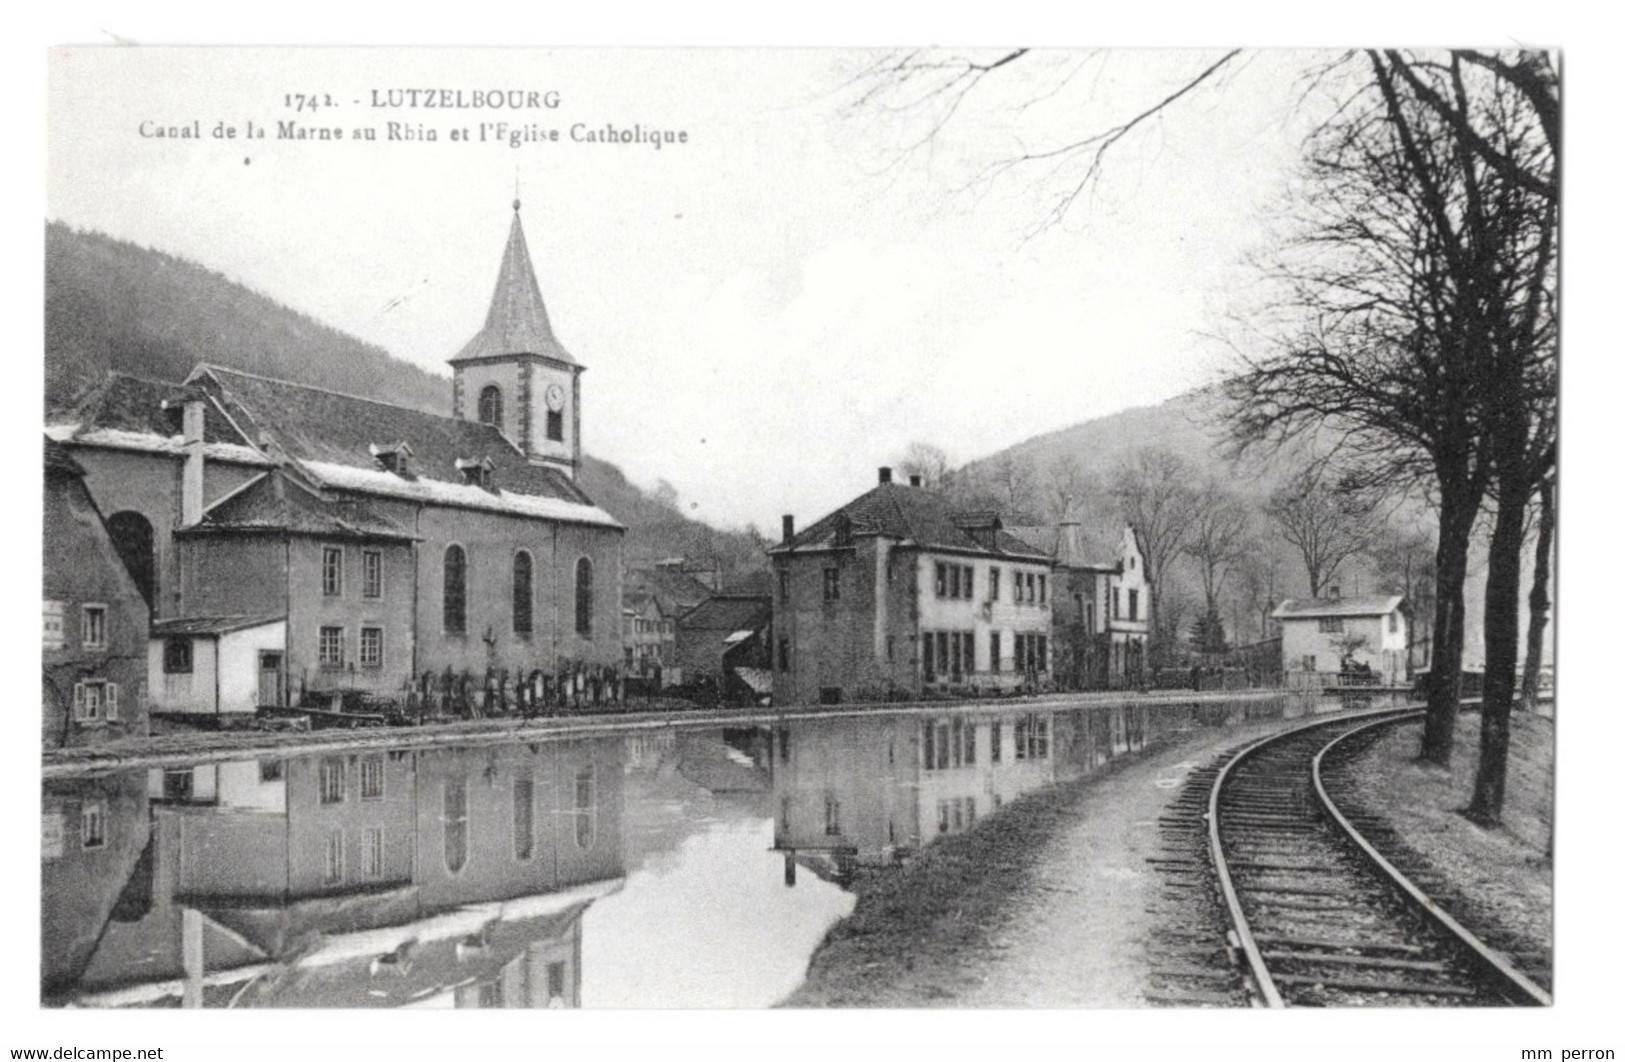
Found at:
[455, 596]
[521, 592]
[584, 597]
[491, 405]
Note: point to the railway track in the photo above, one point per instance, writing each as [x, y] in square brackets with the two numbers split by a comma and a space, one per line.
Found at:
[1318, 915]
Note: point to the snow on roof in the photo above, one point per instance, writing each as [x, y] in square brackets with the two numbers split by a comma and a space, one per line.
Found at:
[148, 442]
[211, 625]
[465, 495]
[736, 637]
[1316, 608]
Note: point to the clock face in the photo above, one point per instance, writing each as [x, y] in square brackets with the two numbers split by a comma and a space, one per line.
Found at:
[555, 397]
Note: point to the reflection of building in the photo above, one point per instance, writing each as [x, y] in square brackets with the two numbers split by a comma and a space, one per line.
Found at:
[895, 594]
[872, 789]
[95, 632]
[1102, 605]
[452, 877]
[1322, 637]
[398, 544]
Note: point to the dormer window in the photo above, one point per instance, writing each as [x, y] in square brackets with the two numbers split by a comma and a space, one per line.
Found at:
[843, 531]
[393, 457]
[478, 473]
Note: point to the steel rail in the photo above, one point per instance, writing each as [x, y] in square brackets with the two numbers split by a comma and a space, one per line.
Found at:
[1522, 986]
[1227, 890]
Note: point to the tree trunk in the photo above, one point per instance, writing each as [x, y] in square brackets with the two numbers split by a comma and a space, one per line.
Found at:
[1456, 512]
[1500, 651]
[1540, 601]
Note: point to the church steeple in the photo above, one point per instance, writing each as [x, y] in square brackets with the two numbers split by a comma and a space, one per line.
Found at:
[517, 321]
[514, 374]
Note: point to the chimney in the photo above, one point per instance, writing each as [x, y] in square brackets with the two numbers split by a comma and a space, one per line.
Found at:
[914, 480]
[192, 472]
[885, 474]
[789, 528]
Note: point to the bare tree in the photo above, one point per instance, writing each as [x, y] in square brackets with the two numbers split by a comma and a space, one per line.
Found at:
[1404, 560]
[1154, 492]
[1219, 538]
[1067, 486]
[1014, 478]
[1325, 527]
[1540, 602]
[928, 462]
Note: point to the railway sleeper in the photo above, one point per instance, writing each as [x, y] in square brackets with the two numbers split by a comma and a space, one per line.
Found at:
[1374, 962]
[1390, 987]
[1270, 940]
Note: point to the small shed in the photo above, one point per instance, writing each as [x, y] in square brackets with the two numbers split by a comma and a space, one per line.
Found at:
[217, 665]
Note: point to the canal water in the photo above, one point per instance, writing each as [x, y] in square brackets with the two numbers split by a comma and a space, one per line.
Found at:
[671, 867]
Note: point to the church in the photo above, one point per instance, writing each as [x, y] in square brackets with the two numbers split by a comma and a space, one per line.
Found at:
[455, 558]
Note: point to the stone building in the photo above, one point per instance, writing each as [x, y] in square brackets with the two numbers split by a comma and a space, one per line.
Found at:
[95, 619]
[406, 550]
[894, 595]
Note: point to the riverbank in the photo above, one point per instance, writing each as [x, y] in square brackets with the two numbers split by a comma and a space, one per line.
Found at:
[1496, 882]
[1045, 904]
[212, 746]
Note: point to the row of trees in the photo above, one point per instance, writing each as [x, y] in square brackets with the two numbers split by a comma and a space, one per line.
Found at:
[1414, 330]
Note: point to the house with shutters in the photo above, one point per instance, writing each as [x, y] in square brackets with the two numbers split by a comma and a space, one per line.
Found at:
[95, 619]
[454, 557]
[896, 595]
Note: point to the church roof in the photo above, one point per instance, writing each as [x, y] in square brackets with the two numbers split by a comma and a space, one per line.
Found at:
[274, 502]
[517, 321]
[915, 515]
[332, 436]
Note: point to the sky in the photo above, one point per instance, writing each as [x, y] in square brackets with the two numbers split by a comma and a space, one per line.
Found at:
[768, 311]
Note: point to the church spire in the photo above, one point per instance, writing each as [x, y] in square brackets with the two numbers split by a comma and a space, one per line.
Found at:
[517, 320]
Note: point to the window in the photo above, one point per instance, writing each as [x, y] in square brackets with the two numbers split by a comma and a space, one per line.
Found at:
[942, 650]
[491, 405]
[784, 654]
[970, 811]
[1043, 652]
[330, 647]
[332, 571]
[93, 701]
[1393, 622]
[970, 582]
[270, 770]
[177, 656]
[372, 573]
[832, 584]
[372, 647]
[1043, 590]
[555, 425]
[928, 662]
[891, 648]
[784, 584]
[93, 824]
[555, 981]
[993, 584]
[942, 816]
[372, 853]
[1032, 588]
[995, 737]
[522, 593]
[454, 823]
[832, 816]
[969, 638]
[784, 744]
[993, 648]
[1117, 602]
[584, 597]
[1309, 661]
[970, 744]
[93, 626]
[372, 778]
[953, 580]
[333, 865]
[1021, 652]
[454, 596]
[1331, 625]
[586, 808]
[330, 780]
[942, 580]
[1133, 605]
[524, 817]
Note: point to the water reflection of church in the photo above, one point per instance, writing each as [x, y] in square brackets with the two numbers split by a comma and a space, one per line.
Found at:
[867, 790]
[439, 878]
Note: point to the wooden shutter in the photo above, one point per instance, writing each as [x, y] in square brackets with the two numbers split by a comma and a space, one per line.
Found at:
[111, 700]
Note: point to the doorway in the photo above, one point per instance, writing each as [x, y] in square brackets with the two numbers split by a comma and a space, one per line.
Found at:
[270, 679]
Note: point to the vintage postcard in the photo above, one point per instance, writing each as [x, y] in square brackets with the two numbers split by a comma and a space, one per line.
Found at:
[677, 528]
